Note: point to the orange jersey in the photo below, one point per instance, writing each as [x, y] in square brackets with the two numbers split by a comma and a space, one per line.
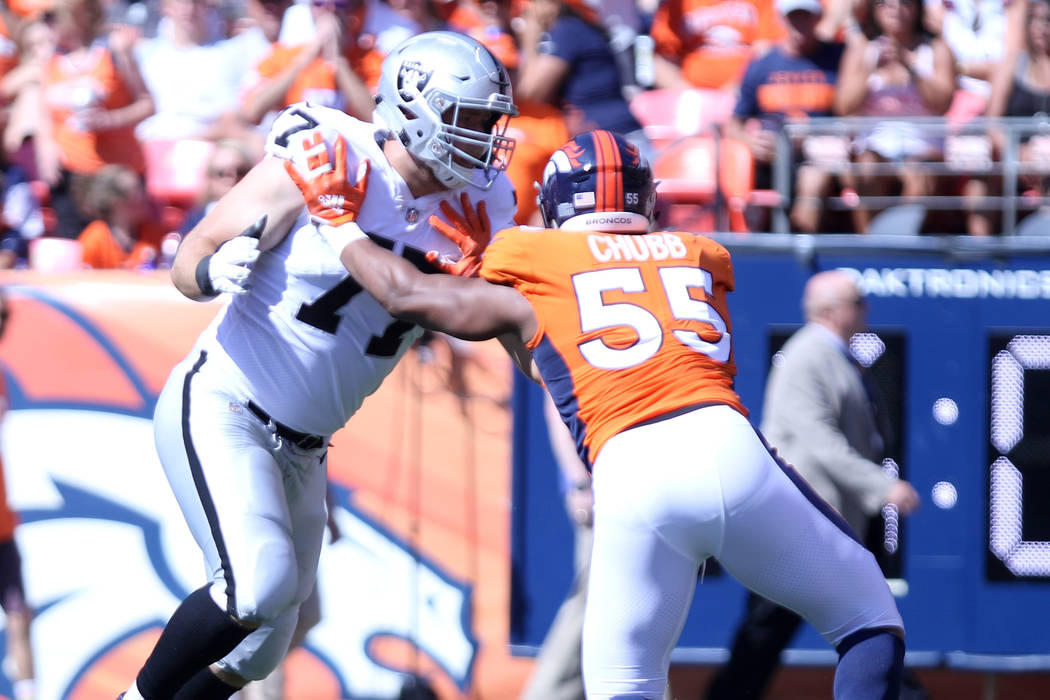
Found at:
[101, 250]
[8, 519]
[712, 39]
[92, 83]
[539, 130]
[631, 327]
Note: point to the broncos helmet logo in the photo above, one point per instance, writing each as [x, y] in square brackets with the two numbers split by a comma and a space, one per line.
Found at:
[575, 151]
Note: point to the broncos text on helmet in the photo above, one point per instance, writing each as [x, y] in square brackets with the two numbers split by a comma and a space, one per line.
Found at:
[598, 181]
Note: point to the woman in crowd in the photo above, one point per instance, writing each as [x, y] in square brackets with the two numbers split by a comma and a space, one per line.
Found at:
[896, 70]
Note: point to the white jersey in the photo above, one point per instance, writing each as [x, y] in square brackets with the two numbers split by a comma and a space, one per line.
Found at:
[307, 343]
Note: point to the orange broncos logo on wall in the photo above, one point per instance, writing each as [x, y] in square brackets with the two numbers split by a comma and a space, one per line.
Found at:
[107, 553]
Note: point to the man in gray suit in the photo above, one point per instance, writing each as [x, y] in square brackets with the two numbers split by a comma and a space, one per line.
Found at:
[823, 420]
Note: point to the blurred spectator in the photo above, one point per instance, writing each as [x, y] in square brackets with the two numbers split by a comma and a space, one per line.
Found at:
[425, 13]
[125, 233]
[707, 43]
[895, 70]
[1016, 11]
[12, 593]
[334, 69]
[229, 162]
[28, 9]
[1020, 88]
[267, 18]
[795, 79]
[566, 60]
[975, 31]
[194, 77]
[539, 129]
[92, 96]
[21, 219]
[20, 87]
[8, 46]
[840, 20]
[381, 26]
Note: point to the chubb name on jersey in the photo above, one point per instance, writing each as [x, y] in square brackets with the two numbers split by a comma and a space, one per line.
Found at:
[657, 246]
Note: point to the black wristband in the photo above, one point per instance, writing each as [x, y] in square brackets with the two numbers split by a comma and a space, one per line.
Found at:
[203, 279]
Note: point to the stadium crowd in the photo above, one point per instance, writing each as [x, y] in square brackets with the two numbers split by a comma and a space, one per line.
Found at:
[121, 121]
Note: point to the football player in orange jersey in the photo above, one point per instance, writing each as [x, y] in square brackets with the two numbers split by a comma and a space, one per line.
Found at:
[629, 330]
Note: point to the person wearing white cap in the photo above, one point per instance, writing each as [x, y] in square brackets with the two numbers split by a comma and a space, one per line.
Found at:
[793, 80]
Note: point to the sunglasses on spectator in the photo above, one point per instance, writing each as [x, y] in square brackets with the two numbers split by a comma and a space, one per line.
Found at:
[332, 4]
[894, 3]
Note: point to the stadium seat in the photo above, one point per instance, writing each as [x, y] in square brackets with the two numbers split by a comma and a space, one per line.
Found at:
[48, 254]
[668, 114]
[686, 171]
[175, 170]
[686, 174]
[736, 177]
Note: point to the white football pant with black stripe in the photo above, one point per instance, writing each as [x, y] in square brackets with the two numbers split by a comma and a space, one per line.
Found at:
[254, 502]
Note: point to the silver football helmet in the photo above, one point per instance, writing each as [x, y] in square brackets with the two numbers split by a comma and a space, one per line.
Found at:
[448, 100]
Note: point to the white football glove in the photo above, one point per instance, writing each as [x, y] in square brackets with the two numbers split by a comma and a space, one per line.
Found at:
[227, 269]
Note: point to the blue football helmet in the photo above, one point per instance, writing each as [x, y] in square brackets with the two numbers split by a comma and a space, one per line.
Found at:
[598, 181]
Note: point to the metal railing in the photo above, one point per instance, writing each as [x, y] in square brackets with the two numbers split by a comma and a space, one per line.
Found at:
[983, 147]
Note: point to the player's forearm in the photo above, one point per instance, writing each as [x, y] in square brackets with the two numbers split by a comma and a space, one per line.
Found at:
[184, 268]
[439, 302]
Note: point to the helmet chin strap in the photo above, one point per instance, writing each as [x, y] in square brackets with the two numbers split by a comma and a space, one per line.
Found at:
[608, 222]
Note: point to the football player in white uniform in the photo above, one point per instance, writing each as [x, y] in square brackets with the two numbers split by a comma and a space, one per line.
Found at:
[243, 423]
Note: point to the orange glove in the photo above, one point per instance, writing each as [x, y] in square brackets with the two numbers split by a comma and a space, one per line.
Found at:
[471, 232]
[330, 198]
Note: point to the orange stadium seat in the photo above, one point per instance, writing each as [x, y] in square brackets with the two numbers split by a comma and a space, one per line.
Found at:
[687, 182]
[175, 170]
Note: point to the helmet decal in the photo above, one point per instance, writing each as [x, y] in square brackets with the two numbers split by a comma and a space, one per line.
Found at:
[411, 79]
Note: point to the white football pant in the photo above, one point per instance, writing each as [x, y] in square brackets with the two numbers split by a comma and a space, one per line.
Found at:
[254, 503]
[671, 493]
